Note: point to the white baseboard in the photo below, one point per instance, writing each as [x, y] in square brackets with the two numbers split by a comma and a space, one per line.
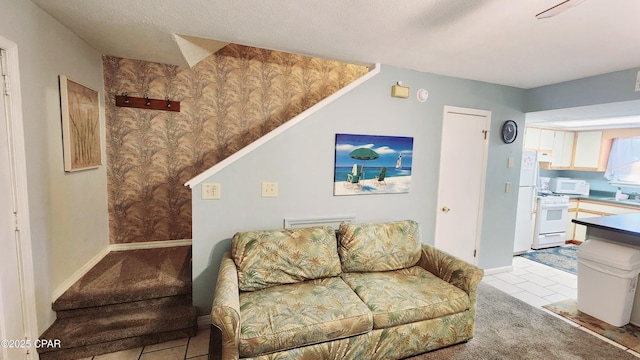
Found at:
[498, 270]
[76, 276]
[204, 322]
[149, 245]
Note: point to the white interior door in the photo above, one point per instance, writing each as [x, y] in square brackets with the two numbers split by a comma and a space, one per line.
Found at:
[12, 324]
[463, 160]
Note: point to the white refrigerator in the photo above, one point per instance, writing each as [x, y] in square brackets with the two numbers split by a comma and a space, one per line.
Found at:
[527, 195]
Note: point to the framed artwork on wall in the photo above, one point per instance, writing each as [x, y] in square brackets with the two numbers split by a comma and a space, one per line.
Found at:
[80, 108]
[372, 164]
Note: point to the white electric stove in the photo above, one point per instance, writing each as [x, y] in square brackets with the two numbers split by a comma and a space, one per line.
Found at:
[551, 221]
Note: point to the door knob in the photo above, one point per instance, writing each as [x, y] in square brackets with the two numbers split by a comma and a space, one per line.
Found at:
[445, 209]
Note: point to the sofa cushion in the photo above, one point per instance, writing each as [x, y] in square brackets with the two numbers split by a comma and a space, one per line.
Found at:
[380, 246]
[287, 316]
[274, 257]
[406, 295]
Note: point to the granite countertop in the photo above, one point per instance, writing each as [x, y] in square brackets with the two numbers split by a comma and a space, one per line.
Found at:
[626, 223]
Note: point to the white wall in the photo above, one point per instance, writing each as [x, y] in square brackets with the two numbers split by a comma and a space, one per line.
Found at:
[68, 211]
[301, 160]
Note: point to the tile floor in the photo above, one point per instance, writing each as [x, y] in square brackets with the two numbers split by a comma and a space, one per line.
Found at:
[531, 282]
[194, 348]
[538, 285]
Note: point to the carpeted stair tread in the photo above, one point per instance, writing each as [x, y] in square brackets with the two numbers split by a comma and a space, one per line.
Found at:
[82, 331]
[132, 275]
[129, 299]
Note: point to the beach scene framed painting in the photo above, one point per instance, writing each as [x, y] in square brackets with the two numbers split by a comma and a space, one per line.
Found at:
[372, 164]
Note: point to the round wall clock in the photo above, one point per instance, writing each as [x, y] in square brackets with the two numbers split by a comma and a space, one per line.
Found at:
[509, 131]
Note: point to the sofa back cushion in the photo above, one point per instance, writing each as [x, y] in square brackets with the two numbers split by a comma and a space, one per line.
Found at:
[379, 247]
[284, 256]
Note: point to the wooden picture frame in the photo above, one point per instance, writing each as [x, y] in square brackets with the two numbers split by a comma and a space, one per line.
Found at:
[80, 108]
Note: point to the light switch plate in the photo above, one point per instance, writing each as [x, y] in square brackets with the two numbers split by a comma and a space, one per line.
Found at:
[507, 187]
[510, 162]
[269, 189]
[638, 81]
[211, 191]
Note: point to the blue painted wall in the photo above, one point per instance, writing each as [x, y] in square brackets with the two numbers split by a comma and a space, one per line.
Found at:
[602, 89]
[301, 160]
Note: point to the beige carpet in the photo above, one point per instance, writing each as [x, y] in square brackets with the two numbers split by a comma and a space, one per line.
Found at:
[507, 328]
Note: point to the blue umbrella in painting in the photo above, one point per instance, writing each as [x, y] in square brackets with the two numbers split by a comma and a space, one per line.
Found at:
[363, 154]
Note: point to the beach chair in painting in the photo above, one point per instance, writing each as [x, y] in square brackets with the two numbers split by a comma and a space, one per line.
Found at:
[353, 178]
[380, 177]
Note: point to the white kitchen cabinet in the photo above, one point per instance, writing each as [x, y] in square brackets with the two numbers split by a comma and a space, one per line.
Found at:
[573, 210]
[580, 233]
[562, 151]
[538, 139]
[587, 150]
[531, 138]
[546, 139]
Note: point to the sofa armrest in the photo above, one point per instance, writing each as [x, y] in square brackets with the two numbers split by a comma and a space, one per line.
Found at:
[451, 269]
[225, 312]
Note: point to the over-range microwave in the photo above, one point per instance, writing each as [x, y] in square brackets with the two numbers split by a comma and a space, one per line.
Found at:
[567, 186]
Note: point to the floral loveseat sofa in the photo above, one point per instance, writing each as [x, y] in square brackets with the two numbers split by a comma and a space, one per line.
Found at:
[375, 292]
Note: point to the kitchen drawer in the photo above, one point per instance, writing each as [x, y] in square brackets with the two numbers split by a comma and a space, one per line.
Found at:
[573, 204]
[599, 208]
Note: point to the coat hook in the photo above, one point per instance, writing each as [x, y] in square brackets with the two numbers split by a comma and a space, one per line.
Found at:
[148, 101]
[168, 103]
[126, 98]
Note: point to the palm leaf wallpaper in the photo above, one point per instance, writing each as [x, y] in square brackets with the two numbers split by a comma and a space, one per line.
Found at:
[228, 100]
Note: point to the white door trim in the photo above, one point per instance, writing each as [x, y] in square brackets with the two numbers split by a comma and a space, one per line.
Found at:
[16, 133]
[483, 176]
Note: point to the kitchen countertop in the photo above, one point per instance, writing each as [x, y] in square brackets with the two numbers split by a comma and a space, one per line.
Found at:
[628, 224]
[606, 197]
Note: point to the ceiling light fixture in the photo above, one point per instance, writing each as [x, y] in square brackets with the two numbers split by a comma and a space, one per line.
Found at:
[555, 10]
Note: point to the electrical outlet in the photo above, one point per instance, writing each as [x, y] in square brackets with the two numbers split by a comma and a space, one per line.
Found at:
[638, 81]
[211, 191]
[269, 189]
[507, 187]
[510, 162]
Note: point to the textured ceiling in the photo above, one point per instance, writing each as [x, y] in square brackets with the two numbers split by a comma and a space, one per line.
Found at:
[497, 41]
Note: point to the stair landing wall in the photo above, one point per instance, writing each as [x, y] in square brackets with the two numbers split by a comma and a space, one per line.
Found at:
[228, 101]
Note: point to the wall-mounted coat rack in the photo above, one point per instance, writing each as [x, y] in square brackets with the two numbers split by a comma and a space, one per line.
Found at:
[146, 103]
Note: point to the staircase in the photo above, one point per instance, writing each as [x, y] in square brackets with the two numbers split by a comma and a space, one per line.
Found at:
[129, 299]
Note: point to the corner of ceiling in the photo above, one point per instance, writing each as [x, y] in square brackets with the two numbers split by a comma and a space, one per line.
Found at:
[194, 49]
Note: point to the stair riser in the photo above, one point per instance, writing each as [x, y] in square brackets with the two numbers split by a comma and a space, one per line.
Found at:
[114, 299]
[169, 301]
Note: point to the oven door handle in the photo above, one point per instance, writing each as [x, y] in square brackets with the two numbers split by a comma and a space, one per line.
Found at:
[554, 206]
[553, 235]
